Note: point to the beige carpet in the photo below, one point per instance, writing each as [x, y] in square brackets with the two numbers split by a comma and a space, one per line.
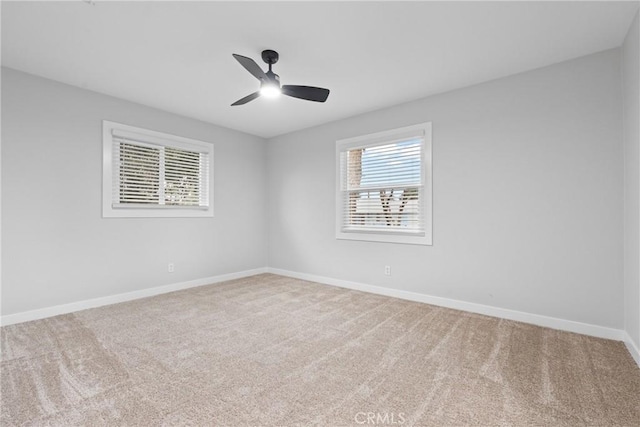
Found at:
[270, 350]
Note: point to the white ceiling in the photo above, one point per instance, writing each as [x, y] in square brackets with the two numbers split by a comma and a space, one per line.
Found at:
[176, 56]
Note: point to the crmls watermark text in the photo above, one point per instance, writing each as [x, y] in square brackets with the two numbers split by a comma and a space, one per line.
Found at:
[380, 418]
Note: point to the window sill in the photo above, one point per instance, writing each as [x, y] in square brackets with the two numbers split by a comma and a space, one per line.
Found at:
[109, 212]
[382, 237]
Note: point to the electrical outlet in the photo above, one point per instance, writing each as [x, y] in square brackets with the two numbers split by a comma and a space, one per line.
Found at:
[387, 270]
[171, 268]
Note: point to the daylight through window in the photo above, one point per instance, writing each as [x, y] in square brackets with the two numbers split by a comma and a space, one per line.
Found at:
[384, 193]
[151, 171]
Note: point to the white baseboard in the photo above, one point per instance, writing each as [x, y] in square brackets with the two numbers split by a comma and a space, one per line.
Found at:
[26, 316]
[632, 347]
[535, 319]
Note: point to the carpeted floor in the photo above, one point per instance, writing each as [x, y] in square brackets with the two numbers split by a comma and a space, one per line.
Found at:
[270, 350]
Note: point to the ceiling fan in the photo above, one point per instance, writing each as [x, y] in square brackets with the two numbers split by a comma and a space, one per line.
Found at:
[270, 81]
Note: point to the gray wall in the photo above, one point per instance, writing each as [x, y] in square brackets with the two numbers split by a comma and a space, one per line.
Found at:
[631, 98]
[528, 196]
[56, 246]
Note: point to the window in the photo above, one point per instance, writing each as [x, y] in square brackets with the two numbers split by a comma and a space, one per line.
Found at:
[152, 174]
[384, 186]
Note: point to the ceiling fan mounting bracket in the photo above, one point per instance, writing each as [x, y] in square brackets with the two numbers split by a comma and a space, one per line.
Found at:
[270, 56]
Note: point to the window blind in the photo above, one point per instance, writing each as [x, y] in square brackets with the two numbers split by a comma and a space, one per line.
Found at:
[155, 173]
[382, 187]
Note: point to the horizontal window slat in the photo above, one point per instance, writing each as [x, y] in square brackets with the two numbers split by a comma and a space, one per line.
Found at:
[183, 156]
[182, 163]
[370, 156]
[134, 148]
[182, 166]
[413, 169]
[130, 190]
[410, 168]
[397, 181]
[133, 158]
[137, 165]
[186, 168]
[182, 172]
[377, 188]
[124, 145]
[141, 191]
[138, 181]
[140, 170]
[155, 206]
[181, 178]
[396, 147]
[393, 165]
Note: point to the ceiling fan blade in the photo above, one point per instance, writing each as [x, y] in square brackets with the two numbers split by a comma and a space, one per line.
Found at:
[251, 67]
[309, 93]
[246, 99]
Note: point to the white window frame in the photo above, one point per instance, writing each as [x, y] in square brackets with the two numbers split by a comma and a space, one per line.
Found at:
[159, 139]
[379, 138]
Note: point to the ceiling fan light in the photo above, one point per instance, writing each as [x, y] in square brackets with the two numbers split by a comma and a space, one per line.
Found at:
[270, 91]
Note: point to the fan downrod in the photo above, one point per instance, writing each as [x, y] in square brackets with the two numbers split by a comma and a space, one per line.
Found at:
[270, 56]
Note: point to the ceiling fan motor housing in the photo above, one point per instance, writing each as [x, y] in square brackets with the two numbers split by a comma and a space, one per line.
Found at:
[274, 79]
